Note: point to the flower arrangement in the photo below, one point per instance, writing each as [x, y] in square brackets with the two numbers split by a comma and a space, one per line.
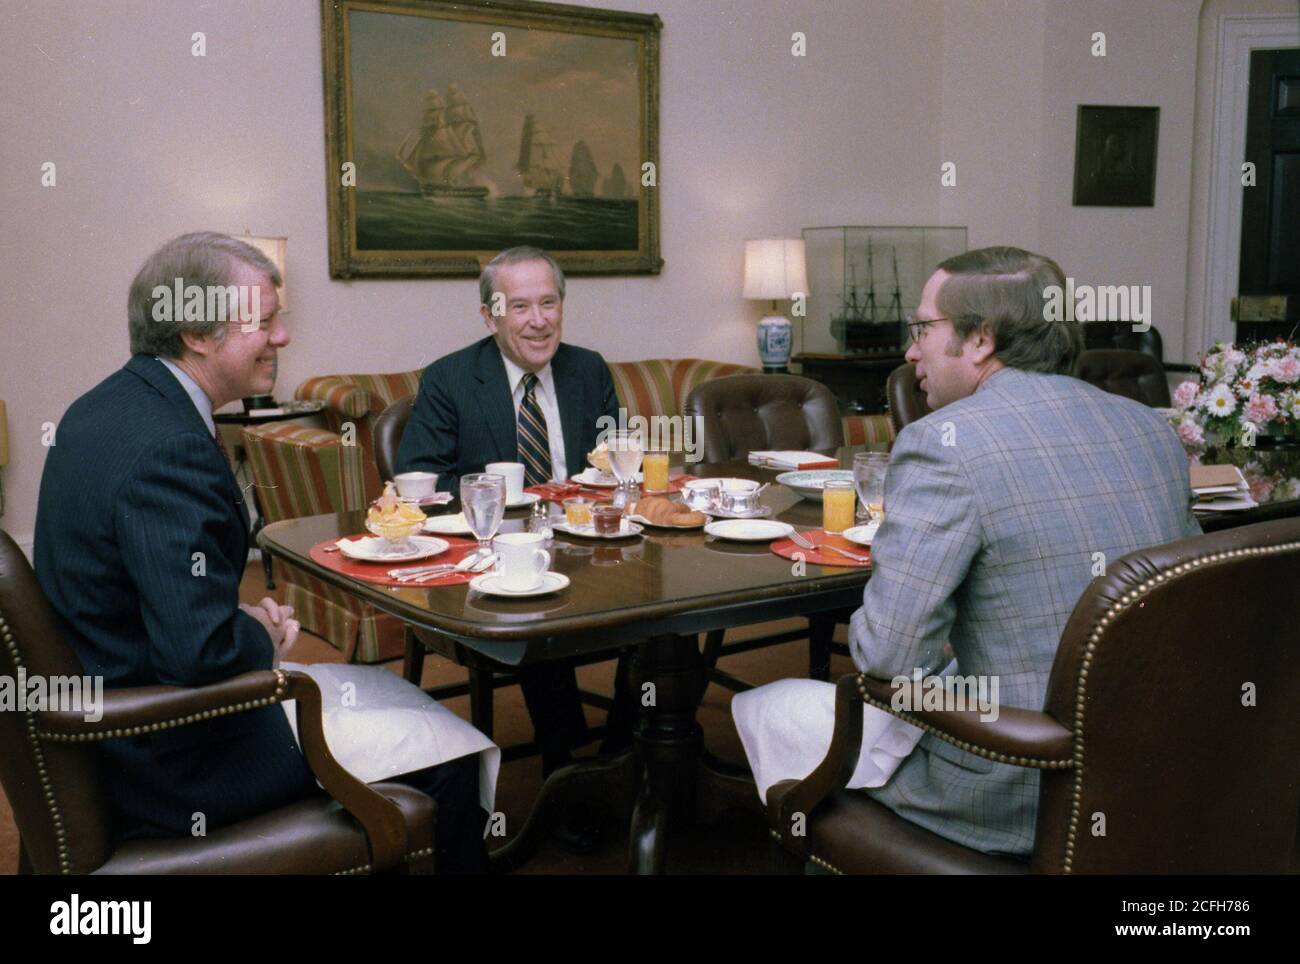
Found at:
[1241, 394]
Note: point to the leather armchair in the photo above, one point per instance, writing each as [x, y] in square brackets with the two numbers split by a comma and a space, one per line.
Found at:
[1133, 374]
[389, 426]
[50, 775]
[906, 400]
[742, 413]
[1143, 722]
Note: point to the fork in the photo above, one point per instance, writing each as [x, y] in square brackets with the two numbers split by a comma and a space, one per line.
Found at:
[478, 566]
[470, 559]
[801, 540]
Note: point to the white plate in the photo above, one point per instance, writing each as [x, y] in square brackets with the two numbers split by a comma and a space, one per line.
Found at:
[748, 530]
[628, 530]
[762, 512]
[448, 525]
[489, 584]
[661, 525]
[862, 534]
[809, 483]
[527, 498]
[372, 549]
[598, 480]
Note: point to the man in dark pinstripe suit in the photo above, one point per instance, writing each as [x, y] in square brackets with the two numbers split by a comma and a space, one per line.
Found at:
[468, 413]
[141, 541]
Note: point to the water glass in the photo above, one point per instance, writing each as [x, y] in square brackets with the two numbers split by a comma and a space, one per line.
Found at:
[483, 498]
[869, 470]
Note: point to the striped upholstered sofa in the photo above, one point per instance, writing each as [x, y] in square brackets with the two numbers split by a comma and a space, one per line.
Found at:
[304, 471]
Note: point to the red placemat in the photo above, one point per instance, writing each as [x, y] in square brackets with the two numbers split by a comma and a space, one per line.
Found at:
[559, 491]
[377, 572]
[786, 549]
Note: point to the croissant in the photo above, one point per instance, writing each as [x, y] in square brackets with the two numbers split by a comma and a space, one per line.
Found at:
[663, 511]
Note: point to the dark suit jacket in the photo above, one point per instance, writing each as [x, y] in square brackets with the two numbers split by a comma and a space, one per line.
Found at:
[464, 416]
[133, 488]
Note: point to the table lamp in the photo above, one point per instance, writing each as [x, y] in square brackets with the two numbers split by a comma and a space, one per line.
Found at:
[775, 269]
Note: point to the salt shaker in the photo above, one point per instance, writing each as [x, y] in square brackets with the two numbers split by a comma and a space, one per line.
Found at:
[540, 521]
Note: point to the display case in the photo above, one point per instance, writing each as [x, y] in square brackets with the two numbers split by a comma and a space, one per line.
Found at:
[864, 281]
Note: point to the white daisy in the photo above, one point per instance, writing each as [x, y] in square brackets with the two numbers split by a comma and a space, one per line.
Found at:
[1221, 402]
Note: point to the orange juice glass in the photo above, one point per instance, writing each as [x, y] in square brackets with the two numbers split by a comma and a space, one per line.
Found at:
[838, 502]
[655, 467]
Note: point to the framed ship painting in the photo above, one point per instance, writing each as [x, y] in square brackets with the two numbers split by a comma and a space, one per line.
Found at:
[456, 129]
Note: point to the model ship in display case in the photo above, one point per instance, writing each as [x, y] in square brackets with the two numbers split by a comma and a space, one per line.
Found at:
[857, 327]
[846, 314]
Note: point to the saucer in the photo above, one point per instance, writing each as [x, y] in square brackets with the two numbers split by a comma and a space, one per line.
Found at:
[448, 525]
[862, 534]
[371, 549]
[762, 512]
[489, 584]
[748, 530]
[595, 479]
[626, 531]
[527, 498]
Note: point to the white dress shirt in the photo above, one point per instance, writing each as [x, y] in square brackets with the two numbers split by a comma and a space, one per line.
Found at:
[550, 406]
[196, 394]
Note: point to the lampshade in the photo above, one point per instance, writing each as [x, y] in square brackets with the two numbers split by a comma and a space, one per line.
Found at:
[775, 268]
[274, 249]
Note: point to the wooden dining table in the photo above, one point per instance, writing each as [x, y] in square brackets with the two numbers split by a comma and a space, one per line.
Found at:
[658, 591]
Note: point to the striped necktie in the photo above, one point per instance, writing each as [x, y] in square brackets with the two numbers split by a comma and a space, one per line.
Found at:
[534, 441]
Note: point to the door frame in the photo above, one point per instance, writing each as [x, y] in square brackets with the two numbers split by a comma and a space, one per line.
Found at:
[1237, 36]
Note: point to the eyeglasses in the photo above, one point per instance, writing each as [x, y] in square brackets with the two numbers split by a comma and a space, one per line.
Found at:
[916, 327]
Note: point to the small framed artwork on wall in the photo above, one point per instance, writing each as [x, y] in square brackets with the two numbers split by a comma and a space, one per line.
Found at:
[1115, 156]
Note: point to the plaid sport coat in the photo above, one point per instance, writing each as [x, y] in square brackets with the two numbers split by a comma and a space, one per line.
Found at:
[999, 509]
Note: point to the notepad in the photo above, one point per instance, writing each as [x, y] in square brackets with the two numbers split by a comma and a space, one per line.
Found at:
[787, 460]
[1220, 488]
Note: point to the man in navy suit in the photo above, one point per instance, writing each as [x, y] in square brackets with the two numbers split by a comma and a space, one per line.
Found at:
[472, 409]
[141, 541]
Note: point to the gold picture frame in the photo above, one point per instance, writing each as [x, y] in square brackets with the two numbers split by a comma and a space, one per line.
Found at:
[456, 129]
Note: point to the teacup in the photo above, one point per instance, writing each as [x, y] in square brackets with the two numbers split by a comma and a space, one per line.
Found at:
[739, 501]
[514, 475]
[521, 560]
[416, 485]
[701, 494]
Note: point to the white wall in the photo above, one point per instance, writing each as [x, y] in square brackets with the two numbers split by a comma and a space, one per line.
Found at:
[151, 142]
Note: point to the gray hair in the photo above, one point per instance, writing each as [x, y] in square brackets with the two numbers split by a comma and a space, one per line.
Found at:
[524, 252]
[203, 258]
[1005, 288]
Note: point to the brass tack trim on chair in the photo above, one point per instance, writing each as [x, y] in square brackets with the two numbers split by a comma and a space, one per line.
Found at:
[366, 868]
[824, 864]
[42, 772]
[1020, 761]
[281, 685]
[1125, 602]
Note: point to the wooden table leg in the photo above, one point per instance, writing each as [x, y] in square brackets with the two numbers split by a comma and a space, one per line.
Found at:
[666, 676]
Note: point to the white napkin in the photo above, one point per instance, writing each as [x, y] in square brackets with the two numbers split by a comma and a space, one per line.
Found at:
[379, 726]
[786, 729]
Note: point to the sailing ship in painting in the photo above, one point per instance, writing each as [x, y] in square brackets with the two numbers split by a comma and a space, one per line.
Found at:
[445, 153]
[557, 198]
[856, 326]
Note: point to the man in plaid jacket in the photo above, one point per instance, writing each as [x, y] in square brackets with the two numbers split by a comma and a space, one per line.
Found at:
[1000, 507]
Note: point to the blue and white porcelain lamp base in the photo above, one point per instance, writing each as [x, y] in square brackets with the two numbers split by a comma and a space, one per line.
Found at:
[774, 338]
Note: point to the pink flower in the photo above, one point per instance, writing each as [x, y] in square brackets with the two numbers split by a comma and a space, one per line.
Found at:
[1185, 394]
[1189, 433]
[1261, 487]
[1285, 370]
[1261, 409]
